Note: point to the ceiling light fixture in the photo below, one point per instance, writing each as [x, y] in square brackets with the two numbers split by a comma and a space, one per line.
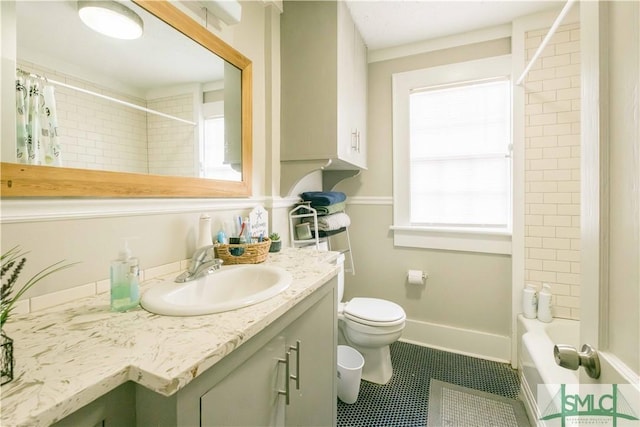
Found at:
[111, 19]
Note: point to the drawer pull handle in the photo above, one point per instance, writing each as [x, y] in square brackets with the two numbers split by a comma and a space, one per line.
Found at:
[296, 377]
[286, 392]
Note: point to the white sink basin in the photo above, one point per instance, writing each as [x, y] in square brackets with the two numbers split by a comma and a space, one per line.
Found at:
[229, 288]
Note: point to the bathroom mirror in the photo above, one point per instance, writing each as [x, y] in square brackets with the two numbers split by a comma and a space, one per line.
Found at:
[208, 93]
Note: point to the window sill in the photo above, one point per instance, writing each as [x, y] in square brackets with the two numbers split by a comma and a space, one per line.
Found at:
[452, 239]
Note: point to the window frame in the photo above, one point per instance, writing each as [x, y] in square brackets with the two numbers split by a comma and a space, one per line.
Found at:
[487, 240]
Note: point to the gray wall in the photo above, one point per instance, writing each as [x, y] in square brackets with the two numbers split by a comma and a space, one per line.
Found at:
[464, 290]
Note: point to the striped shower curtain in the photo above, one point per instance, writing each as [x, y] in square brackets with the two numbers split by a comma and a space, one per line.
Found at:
[37, 125]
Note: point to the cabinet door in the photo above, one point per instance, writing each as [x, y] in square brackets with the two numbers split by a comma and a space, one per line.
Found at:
[360, 100]
[314, 403]
[346, 55]
[248, 396]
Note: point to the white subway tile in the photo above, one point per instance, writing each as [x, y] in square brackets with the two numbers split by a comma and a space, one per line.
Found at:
[561, 312]
[556, 243]
[543, 119]
[557, 266]
[557, 175]
[550, 62]
[556, 106]
[532, 242]
[557, 198]
[569, 278]
[560, 289]
[568, 301]
[568, 232]
[568, 255]
[533, 264]
[558, 129]
[543, 208]
[542, 254]
[542, 276]
[560, 221]
[556, 152]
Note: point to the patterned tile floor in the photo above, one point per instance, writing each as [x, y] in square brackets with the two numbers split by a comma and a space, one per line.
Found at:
[404, 400]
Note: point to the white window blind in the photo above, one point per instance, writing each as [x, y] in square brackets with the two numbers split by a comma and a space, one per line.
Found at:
[459, 139]
[452, 171]
[213, 152]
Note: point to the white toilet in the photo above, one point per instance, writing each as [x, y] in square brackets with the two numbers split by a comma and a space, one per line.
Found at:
[370, 325]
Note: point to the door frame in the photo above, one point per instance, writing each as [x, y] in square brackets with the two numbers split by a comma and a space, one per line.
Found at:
[595, 126]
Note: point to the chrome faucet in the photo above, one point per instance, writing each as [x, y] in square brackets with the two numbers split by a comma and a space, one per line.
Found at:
[203, 262]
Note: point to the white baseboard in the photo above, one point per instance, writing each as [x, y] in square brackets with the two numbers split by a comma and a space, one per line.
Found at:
[457, 340]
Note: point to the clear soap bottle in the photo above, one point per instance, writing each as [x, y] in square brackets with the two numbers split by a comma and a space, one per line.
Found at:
[125, 290]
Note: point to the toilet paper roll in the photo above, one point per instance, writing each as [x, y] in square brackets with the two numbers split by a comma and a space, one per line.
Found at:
[415, 277]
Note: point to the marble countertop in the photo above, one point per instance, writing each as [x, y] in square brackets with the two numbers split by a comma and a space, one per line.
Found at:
[69, 355]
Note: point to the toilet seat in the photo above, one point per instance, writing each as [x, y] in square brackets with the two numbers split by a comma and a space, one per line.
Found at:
[373, 312]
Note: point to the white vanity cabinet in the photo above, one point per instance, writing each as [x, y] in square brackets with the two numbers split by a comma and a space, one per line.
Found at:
[324, 85]
[249, 386]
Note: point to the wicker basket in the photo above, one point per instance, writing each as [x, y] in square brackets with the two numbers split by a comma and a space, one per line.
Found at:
[243, 253]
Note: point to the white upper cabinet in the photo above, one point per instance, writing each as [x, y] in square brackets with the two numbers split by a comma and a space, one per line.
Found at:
[324, 85]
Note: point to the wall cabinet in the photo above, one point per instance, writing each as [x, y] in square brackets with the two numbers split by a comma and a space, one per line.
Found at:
[324, 85]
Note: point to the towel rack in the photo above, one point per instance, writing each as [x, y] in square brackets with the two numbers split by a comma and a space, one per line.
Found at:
[294, 218]
[306, 211]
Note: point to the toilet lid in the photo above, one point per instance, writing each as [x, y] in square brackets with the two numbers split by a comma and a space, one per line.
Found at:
[374, 311]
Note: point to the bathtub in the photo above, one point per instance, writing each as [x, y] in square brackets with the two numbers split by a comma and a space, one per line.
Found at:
[537, 366]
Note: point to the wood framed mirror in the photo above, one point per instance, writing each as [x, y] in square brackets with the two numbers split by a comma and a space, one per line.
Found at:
[26, 180]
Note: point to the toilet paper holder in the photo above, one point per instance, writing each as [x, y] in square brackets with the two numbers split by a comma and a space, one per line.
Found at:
[416, 277]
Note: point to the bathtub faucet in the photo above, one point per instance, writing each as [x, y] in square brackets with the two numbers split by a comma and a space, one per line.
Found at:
[570, 358]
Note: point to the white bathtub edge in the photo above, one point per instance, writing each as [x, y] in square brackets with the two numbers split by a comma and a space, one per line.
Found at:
[528, 398]
[533, 333]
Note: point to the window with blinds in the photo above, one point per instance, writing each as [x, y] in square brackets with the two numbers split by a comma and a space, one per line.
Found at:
[459, 154]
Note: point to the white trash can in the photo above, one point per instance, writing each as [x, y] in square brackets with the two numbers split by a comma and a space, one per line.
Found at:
[350, 363]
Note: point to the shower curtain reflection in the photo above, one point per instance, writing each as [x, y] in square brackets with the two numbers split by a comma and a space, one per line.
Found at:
[37, 125]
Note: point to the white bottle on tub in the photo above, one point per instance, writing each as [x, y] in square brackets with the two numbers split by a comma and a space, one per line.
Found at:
[529, 301]
[544, 304]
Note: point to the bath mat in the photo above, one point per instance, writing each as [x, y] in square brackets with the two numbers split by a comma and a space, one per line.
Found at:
[451, 405]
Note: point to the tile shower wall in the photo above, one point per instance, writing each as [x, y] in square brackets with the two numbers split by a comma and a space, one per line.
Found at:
[97, 133]
[552, 168]
[172, 144]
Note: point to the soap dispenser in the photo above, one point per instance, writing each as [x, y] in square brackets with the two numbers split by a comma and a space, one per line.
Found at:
[125, 291]
[204, 232]
[544, 304]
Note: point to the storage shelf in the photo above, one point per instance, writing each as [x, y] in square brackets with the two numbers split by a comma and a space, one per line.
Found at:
[317, 238]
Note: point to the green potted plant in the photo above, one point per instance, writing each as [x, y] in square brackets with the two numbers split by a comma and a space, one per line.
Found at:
[276, 243]
[13, 262]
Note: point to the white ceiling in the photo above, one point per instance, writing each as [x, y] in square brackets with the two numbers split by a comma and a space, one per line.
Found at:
[390, 23]
[50, 33]
[52, 29]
